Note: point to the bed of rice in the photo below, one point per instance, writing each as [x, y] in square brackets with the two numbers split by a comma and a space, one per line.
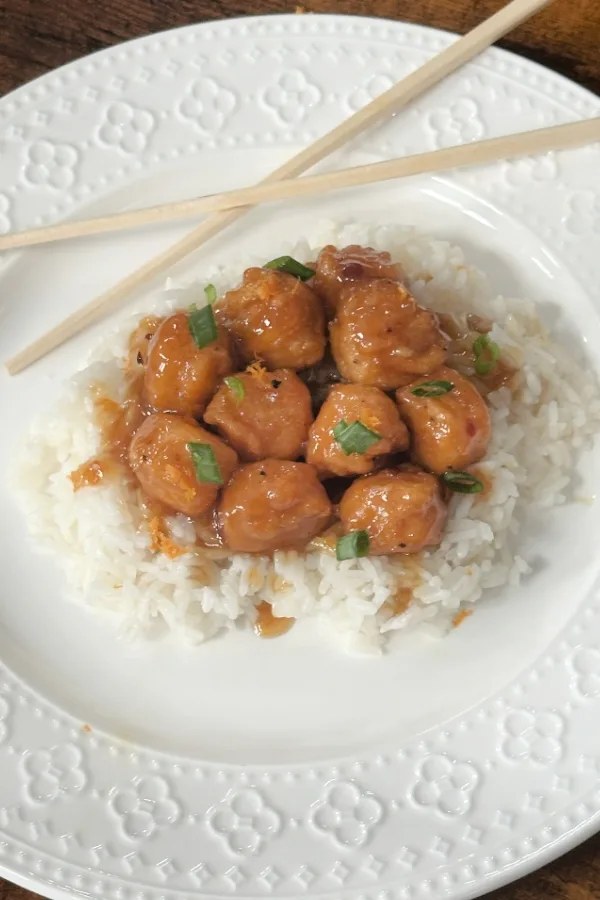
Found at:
[99, 536]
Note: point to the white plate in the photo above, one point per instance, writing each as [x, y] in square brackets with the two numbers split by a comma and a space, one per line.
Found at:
[287, 769]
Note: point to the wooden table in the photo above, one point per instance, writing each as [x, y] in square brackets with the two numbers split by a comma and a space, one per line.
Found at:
[39, 35]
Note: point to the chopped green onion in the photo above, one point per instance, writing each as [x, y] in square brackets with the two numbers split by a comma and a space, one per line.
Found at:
[352, 545]
[203, 326]
[432, 388]
[211, 294]
[236, 386]
[462, 482]
[486, 354]
[354, 437]
[205, 463]
[291, 266]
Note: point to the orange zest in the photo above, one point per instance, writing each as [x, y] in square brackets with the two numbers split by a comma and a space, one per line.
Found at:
[370, 421]
[460, 617]
[258, 371]
[161, 542]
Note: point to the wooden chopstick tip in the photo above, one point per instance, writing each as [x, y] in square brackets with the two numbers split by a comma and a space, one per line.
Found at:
[16, 363]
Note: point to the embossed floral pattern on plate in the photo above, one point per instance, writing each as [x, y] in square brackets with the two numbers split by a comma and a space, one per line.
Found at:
[244, 821]
[145, 807]
[347, 813]
[52, 774]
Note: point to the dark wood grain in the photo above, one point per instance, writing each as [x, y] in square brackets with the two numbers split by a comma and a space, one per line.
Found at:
[39, 35]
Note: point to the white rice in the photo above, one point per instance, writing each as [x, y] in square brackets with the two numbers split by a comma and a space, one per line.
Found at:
[99, 536]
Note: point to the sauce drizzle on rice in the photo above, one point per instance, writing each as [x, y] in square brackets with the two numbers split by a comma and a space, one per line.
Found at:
[117, 423]
[89, 473]
[463, 330]
[483, 474]
[120, 423]
[401, 601]
[410, 578]
[267, 625]
[235, 584]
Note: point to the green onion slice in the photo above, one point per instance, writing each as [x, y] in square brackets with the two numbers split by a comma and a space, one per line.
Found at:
[354, 437]
[432, 388]
[462, 482]
[236, 386]
[291, 266]
[486, 354]
[205, 463]
[203, 326]
[211, 294]
[352, 545]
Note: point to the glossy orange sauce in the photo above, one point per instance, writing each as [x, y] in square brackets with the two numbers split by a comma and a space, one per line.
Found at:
[502, 375]
[118, 422]
[269, 626]
[91, 472]
[207, 531]
[486, 479]
[400, 601]
[463, 331]
[328, 539]
[139, 341]
[457, 327]
[407, 582]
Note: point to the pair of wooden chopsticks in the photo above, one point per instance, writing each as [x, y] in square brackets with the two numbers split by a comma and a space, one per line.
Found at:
[557, 137]
[280, 184]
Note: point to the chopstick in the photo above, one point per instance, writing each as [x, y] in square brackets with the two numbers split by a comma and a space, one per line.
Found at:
[433, 71]
[542, 140]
